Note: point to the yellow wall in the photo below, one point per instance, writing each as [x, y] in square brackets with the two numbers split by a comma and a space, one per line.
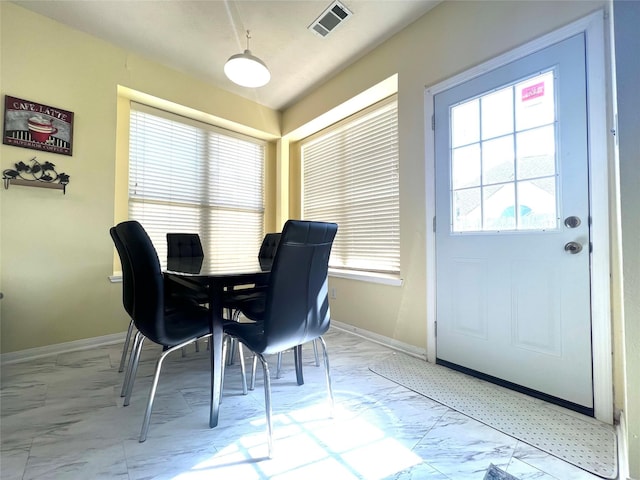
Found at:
[627, 45]
[56, 249]
[86, 82]
[451, 38]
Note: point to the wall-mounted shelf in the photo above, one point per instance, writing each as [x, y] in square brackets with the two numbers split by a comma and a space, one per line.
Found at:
[43, 175]
[35, 183]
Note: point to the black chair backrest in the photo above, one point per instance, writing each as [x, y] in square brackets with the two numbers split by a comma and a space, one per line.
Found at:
[269, 246]
[184, 245]
[297, 302]
[185, 264]
[148, 282]
[127, 274]
[268, 249]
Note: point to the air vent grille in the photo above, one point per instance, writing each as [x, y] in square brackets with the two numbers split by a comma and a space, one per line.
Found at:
[334, 15]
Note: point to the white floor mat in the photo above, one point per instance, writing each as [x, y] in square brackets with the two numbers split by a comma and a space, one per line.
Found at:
[572, 437]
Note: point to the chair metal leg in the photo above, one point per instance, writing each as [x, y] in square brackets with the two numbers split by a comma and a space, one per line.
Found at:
[154, 385]
[328, 375]
[297, 352]
[230, 357]
[125, 348]
[279, 365]
[254, 366]
[133, 367]
[315, 352]
[267, 403]
[127, 375]
[267, 389]
[235, 316]
[243, 371]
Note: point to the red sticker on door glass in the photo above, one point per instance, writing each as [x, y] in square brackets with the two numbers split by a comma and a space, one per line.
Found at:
[534, 91]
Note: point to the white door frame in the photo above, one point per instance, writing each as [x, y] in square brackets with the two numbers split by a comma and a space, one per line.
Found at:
[593, 28]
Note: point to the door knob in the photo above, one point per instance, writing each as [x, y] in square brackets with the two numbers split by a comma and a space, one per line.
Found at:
[572, 222]
[573, 247]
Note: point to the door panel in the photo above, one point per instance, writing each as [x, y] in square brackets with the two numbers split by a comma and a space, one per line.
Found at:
[470, 316]
[511, 165]
[535, 320]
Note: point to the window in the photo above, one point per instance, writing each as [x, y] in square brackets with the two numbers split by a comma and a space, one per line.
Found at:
[503, 159]
[351, 178]
[187, 176]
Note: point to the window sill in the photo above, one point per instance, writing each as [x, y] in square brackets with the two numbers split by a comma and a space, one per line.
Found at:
[115, 278]
[382, 278]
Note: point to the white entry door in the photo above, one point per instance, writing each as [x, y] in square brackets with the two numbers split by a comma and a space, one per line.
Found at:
[512, 226]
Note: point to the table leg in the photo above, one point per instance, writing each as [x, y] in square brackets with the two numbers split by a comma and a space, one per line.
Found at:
[298, 363]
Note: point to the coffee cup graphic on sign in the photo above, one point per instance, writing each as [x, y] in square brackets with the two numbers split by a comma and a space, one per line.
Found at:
[41, 128]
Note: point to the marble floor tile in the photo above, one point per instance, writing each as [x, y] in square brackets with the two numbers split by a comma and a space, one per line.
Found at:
[35, 371]
[13, 463]
[463, 448]
[82, 462]
[22, 396]
[542, 461]
[62, 417]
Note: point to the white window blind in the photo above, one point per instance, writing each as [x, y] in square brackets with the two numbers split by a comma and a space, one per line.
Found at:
[351, 178]
[190, 177]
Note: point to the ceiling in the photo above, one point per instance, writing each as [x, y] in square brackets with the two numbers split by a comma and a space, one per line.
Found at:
[197, 37]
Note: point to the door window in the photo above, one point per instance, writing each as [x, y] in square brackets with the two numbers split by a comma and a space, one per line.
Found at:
[503, 159]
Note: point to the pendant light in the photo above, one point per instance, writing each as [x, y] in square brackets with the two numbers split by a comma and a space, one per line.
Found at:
[246, 70]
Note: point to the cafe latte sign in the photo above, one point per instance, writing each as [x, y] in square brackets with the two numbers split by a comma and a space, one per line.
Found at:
[40, 127]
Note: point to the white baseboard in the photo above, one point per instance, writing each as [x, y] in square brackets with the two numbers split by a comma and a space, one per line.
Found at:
[382, 340]
[58, 348]
[87, 343]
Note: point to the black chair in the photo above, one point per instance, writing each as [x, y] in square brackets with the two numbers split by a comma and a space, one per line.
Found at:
[185, 254]
[268, 249]
[184, 245]
[185, 264]
[265, 256]
[172, 328]
[295, 308]
[127, 296]
[171, 301]
[127, 302]
[235, 298]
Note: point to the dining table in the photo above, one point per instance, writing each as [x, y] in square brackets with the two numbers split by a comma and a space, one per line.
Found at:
[215, 279]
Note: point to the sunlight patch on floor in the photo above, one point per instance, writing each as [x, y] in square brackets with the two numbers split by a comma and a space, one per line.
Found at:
[307, 442]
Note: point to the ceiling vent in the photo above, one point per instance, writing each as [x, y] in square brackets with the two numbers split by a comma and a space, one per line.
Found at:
[334, 15]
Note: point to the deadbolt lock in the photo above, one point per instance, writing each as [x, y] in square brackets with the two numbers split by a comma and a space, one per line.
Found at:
[572, 222]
